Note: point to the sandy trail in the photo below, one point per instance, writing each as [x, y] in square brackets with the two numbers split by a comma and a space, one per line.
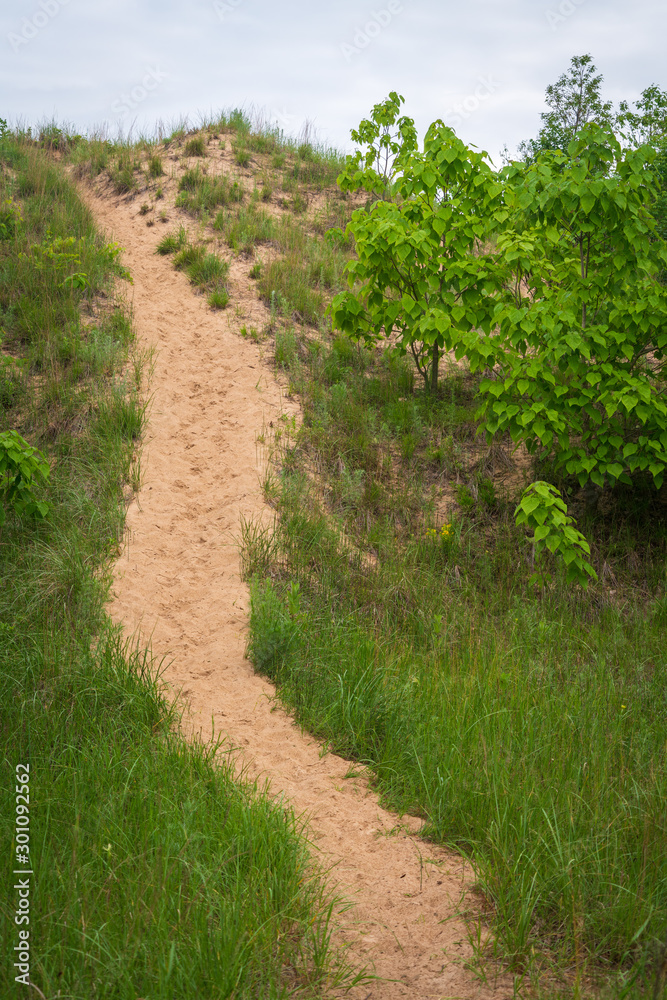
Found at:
[178, 583]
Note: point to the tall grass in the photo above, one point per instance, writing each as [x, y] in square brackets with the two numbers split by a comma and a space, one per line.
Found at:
[528, 729]
[156, 871]
[200, 193]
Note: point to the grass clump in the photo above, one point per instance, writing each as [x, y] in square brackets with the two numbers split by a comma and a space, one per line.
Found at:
[199, 193]
[204, 269]
[172, 242]
[245, 228]
[241, 156]
[121, 172]
[218, 299]
[283, 281]
[195, 146]
[155, 167]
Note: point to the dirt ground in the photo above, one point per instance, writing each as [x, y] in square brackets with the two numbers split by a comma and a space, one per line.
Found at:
[178, 585]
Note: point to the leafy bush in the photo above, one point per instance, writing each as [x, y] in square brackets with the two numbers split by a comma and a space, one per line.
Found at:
[543, 509]
[11, 218]
[20, 467]
[579, 355]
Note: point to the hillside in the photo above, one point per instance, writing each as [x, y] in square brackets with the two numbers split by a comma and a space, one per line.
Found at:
[312, 483]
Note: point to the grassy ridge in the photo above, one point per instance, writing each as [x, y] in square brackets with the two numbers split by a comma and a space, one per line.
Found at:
[156, 874]
[529, 730]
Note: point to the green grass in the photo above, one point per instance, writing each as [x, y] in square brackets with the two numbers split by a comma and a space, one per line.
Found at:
[528, 729]
[155, 167]
[121, 172]
[242, 157]
[282, 282]
[244, 228]
[156, 872]
[199, 193]
[172, 242]
[218, 299]
[204, 269]
[195, 146]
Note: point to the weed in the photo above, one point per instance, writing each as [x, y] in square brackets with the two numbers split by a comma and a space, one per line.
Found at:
[195, 146]
[122, 173]
[172, 242]
[266, 188]
[299, 203]
[202, 268]
[155, 168]
[145, 209]
[245, 228]
[283, 281]
[218, 299]
[200, 193]
[241, 156]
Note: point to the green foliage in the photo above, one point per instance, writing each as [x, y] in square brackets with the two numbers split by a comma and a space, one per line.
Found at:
[11, 218]
[581, 344]
[245, 227]
[21, 468]
[422, 274]
[543, 510]
[646, 123]
[284, 283]
[121, 172]
[202, 268]
[241, 155]
[574, 101]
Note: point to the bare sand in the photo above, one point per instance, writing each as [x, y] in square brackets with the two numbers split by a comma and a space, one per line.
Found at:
[178, 585]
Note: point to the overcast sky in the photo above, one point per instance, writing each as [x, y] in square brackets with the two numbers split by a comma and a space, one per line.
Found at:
[481, 65]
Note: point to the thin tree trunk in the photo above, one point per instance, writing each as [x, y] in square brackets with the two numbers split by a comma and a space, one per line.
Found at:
[435, 358]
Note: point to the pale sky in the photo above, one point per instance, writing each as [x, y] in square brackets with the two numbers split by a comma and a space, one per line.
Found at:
[481, 65]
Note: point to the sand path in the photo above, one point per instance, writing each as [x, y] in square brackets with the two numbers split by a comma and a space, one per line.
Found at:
[178, 583]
